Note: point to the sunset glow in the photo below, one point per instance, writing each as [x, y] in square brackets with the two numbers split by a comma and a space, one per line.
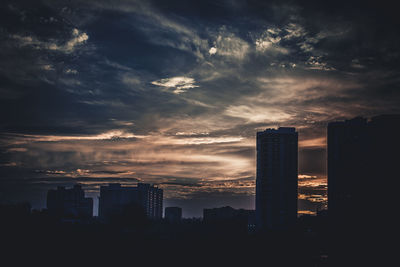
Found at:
[173, 95]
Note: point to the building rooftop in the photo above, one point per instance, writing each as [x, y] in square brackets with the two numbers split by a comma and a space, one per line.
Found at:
[280, 130]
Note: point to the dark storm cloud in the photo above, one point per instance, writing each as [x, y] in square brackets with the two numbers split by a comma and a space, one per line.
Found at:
[173, 93]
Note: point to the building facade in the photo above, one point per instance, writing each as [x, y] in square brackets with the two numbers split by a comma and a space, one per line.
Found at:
[363, 158]
[114, 198]
[276, 181]
[173, 214]
[228, 217]
[151, 198]
[69, 202]
[348, 148]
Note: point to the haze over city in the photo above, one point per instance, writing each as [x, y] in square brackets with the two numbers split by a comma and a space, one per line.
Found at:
[172, 93]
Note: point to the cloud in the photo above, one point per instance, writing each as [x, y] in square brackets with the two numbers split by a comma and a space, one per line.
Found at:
[180, 83]
[269, 42]
[283, 88]
[78, 38]
[109, 135]
[316, 63]
[253, 113]
[70, 71]
[26, 40]
[355, 63]
[131, 80]
[154, 24]
[294, 30]
[229, 45]
[305, 176]
[211, 140]
[306, 46]
[151, 158]
[48, 67]
[316, 142]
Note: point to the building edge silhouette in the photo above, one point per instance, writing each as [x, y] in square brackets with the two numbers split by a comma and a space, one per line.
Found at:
[363, 157]
[276, 179]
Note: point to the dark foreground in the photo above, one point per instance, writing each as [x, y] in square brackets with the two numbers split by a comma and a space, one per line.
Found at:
[38, 238]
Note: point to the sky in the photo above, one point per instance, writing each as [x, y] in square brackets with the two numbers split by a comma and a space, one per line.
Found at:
[173, 92]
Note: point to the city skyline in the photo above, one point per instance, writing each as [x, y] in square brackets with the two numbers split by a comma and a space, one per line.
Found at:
[173, 93]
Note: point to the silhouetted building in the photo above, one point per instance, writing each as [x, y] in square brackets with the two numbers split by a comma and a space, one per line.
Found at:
[348, 145]
[218, 214]
[276, 182]
[70, 203]
[14, 211]
[230, 216]
[151, 198]
[114, 199]
[173, 214]
[363, 157]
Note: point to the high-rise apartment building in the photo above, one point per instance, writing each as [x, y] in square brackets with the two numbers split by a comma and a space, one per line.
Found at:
[276, 182]
[348, 149]
[70, 203]
[363, 158]
[114, 198]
